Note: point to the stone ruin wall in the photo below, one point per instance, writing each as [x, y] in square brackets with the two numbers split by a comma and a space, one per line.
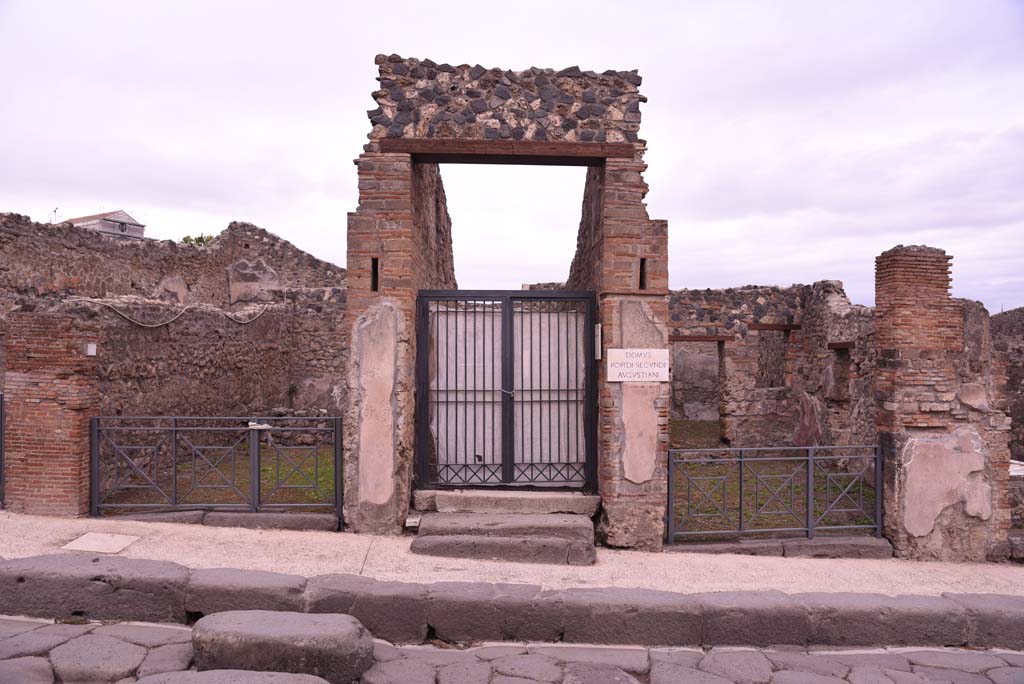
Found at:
[290, 359]
[423, 99]
[767, 386]
[1008, 338]
[942, 413]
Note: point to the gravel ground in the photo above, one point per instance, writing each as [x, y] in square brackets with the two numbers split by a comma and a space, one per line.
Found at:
[388, 558]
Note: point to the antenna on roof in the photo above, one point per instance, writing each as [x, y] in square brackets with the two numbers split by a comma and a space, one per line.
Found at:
[53, 218]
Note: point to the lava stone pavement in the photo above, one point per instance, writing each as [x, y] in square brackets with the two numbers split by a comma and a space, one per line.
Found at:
[41, 652]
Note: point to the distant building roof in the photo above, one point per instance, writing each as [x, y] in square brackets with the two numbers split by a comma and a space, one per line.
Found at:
[118, 216]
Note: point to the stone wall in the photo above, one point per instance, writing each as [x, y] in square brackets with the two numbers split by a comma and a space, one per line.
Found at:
[284, 357]
[777, 366]
[422, 99]
[1008, 336]
[941, 416]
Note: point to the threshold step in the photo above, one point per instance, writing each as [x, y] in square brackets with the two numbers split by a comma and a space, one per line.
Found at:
[504, 501]
[534, 549]
[520, 525]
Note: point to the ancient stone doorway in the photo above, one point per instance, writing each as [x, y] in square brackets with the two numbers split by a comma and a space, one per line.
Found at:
[506, 389]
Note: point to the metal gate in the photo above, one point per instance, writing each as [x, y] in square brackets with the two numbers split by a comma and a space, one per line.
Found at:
[506, 393]
[147, 463]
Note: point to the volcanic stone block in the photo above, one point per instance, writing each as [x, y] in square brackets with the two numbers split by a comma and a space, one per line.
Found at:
[996, 621]
[753, 618]
[838, 547]
[39, 642]
[396, 611]
[588, 673]
[219, 589]
[336, 647]
[327, 522]
[559, 526]
[231, 677]
[549, 550]
[874, 619]
[169, 658]
[28, 670]
[400, 672]
[94, 587]
[145, 635]
[475, 611]
[179, 517]
[624, 616]
[95, 657]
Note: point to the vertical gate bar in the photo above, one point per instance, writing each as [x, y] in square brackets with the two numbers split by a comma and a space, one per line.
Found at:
[523, 314]
[551, 427]
[878, 491]
[558, 381]
[94, 466]
[423, 394]
[810, 493]
[174, 461]
[576, 381]
[254, 469]
[670, 509]
[339, 481]
[742, 502]
[590, 403]
[507, 445]
[447, 382]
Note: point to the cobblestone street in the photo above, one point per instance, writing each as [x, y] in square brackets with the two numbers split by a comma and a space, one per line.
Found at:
[41, 652]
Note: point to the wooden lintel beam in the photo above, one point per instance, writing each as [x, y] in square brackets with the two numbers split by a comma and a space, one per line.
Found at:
[701, 338]
[774, 326]
[457, 151]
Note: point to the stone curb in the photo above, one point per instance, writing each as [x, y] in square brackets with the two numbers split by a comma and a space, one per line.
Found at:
[325, 522]
[84, 586]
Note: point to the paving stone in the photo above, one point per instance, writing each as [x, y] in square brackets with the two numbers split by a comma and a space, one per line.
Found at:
[438, 656]
[232, 677]
[96, 658]
[504, 679]
[874, 619]
[492, 651]
[956, 660]
[40, 641]
[336, 647]
[146, 635]
[628, 658]
[94, 587]
[273, 521]
[1014, 659]
[591, 673]
[822, 665]
[882, 661]
[384, 652]
[753, 618]
[865, 674]
[743, 667]
[220, 589]
[1006, 675]
[536, 667]
[940, 675]
[396, 611]
[169, 658]
[9, 628]
[670, 673]
[27, 670]
[465, 673]
[686, 657]
[99, 542]
[796, 677]
[901, 677]
[400, 672]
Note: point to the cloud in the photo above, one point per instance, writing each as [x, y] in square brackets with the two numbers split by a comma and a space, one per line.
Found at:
[789, 141]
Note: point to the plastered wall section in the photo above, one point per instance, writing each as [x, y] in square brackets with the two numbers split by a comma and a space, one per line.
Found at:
[941, 416]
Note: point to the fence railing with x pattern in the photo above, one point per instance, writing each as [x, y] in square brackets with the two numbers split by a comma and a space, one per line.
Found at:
[186, 462]
[780, 490]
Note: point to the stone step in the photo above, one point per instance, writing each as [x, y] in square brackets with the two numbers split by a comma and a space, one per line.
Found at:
[533, 549]
[552, 525]
[332, 646]
[504, 501]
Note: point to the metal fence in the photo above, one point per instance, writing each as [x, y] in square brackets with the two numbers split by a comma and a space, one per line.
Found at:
[226, 463]
[777, 490]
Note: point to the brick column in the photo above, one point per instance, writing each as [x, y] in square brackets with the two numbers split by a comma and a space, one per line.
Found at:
[51, 391]
[632, 417]
[939, 418]
[378, 418]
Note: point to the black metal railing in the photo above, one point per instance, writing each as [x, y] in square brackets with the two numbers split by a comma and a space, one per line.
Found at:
[227, 463]
[773, 490]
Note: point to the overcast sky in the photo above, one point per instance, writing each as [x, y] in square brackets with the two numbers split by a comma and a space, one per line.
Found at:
[789, 141]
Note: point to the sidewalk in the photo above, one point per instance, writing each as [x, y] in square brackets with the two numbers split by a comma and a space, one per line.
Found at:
[388, 558]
